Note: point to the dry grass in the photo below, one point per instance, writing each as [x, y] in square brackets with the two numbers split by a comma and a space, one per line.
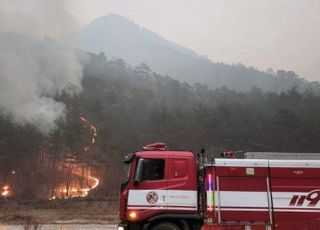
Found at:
[35, 213]
[31, 224]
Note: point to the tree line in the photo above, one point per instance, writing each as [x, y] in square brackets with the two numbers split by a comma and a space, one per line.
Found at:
[133, 106]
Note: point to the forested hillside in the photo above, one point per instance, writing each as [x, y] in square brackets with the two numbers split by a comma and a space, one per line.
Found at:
[122, 108]
[119, 37]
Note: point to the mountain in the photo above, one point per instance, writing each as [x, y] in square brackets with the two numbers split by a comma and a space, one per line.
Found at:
[119, 37]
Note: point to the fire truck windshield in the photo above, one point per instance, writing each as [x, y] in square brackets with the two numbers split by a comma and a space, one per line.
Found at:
[127, 166]
[126, 170]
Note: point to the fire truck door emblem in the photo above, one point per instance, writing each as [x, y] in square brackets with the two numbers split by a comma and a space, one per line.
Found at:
[311, 199]
[152, 197]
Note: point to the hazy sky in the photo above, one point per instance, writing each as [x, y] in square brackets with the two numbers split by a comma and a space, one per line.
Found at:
[281, 34]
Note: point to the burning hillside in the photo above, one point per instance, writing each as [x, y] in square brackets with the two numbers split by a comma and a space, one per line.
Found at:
[79, 181]
[60, 176]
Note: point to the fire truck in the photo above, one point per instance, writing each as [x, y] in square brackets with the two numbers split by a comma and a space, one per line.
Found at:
[180, 190]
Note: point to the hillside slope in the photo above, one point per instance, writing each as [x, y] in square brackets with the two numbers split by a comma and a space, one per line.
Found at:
[119, 37]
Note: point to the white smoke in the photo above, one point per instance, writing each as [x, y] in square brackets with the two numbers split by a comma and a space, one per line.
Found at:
[36, 61]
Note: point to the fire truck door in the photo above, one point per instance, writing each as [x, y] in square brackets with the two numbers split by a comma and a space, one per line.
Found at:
[182, 185]
[151, 191]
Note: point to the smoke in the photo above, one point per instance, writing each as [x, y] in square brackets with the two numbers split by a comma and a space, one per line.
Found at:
[37, 61]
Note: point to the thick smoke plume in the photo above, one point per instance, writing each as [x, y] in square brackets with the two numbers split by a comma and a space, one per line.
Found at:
[36, 61]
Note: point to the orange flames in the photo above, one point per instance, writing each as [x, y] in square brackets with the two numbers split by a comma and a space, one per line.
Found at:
[73, 178]
[6, 191]
[93, 130]
[78, 178]
[81, 182]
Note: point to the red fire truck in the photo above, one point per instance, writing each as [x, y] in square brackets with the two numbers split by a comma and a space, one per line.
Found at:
[180, 190]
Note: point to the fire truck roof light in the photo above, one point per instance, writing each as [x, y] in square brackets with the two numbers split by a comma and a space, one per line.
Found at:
[156, 147]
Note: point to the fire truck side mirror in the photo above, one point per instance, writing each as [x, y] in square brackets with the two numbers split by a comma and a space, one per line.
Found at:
[137, 175]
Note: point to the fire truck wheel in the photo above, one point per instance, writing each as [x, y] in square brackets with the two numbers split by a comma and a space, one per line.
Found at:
[165, 226]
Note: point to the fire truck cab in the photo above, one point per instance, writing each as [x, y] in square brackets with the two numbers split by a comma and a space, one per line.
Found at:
[176, 190]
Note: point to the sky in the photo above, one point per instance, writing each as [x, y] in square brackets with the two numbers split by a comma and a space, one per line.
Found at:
[278, 34]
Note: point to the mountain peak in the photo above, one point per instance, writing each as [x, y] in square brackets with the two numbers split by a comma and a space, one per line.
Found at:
[119, 37]
[112, 18]
[125, 37]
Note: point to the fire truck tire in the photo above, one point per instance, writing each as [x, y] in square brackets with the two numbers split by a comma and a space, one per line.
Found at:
[165, 226]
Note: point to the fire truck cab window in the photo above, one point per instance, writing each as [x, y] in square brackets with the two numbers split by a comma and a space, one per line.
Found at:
[152, 169]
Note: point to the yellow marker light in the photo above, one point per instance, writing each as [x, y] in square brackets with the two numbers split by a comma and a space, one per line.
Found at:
[132, 215]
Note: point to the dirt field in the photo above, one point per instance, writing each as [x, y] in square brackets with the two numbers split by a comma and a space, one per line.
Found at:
[58, 212]
[61, 227]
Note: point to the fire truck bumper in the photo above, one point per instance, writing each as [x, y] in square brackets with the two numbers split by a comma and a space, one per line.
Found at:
[122, 226]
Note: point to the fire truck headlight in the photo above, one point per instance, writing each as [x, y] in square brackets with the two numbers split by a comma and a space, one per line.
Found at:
[120, 228]
[132, 215]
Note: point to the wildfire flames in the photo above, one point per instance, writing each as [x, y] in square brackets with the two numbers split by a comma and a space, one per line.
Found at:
[80, 184]
[93, 130]
[81, 181]
[74, 178]
[6, 191]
